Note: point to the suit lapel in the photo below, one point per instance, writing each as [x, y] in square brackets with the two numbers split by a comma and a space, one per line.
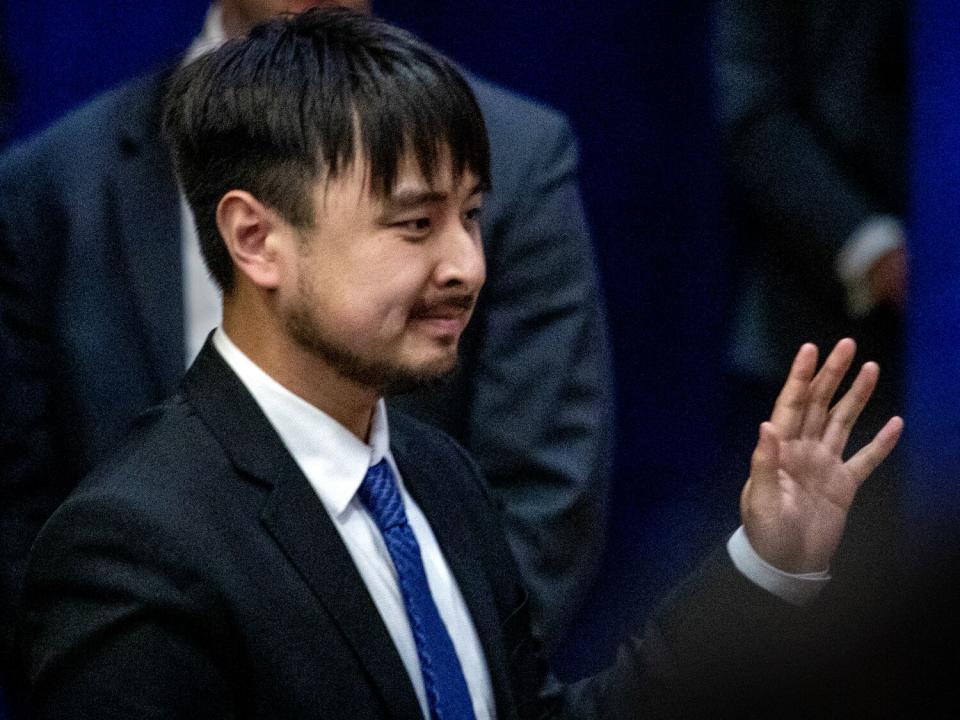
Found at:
[300, 525]
[144, 200]
[297, 520]
[437, 498]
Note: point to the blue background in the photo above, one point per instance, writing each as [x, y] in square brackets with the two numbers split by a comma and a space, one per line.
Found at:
[933, 403]
[634, 77]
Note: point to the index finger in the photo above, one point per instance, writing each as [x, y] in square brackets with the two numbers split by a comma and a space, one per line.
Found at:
[788, 410]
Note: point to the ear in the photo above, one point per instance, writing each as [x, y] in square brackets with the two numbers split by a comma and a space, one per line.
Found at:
[250, 231]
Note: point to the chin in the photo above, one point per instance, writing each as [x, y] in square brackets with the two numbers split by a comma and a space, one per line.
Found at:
[421, 375]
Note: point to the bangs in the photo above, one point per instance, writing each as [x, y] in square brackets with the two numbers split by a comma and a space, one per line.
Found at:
[433, 119]
[308, 94]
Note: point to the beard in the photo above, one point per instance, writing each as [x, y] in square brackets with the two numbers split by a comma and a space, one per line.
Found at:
[385, 377]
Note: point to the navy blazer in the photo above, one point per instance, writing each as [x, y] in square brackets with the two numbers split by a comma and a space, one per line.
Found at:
[197, 574]
[91, 330]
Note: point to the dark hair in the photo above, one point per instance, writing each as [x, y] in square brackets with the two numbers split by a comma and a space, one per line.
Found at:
[297, 99]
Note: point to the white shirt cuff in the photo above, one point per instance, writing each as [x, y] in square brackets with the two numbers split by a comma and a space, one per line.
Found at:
[796, 589]
[872, 239]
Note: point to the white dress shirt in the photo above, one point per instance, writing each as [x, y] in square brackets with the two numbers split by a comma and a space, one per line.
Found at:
[794, 588]
[335, 462]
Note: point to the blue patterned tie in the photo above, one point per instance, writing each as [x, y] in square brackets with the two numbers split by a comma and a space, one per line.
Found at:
[447, 693]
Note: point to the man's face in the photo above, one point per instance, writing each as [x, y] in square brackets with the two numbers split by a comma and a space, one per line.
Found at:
[383, 287]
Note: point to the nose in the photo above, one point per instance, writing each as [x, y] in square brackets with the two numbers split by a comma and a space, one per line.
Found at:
[461, 263]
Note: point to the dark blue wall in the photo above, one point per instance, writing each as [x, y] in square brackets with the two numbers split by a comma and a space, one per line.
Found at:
[62, 53]
[933, 412]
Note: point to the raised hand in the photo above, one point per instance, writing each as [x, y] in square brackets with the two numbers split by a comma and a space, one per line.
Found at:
[794, 505]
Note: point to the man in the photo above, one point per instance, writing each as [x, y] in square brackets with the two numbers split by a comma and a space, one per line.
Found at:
[271, 542]
[104, 301]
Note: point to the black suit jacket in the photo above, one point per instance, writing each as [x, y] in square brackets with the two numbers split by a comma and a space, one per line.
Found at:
[91, 330]
[197, 574]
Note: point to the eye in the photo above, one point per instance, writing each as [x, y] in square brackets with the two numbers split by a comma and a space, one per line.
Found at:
[473, 214]
[414, 225]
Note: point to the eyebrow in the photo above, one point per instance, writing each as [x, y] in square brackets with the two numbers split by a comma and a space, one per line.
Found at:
[413, 198]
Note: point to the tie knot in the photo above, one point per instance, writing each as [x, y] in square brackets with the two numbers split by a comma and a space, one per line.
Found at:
[380, 495]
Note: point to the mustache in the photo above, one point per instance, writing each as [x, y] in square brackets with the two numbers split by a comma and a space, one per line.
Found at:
[459, 301]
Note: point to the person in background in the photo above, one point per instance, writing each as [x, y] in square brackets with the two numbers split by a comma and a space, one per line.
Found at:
[812, 101]
[104, 301]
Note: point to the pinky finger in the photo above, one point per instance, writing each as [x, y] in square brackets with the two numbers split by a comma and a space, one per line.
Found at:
[875, 452]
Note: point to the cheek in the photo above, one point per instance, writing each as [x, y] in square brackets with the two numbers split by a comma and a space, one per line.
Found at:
[371, 293]
[377, 308]
[399, 283]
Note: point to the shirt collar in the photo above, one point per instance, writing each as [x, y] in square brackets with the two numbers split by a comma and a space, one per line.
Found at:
[210, 38]
[333, 459]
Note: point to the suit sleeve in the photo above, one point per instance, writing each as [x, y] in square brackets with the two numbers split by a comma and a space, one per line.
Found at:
[788, 175]
[717, 646]
[119, 622]
[541, 412]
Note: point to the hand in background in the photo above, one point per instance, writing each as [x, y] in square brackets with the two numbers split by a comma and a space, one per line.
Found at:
[887, 278]
[794, 505]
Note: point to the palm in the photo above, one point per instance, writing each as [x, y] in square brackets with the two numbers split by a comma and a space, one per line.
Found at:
[795, 503]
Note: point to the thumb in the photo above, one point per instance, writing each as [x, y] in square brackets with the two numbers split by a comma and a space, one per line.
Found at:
[761, 487]
[766, 456]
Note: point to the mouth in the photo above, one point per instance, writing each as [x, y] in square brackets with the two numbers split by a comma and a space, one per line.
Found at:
[447, 317]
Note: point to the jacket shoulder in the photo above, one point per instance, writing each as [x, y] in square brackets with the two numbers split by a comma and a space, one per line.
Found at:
[526, 137]
[168, 457]
[505, 110]
[87, 133]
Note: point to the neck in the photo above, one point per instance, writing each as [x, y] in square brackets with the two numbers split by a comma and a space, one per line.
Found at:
[262, 339]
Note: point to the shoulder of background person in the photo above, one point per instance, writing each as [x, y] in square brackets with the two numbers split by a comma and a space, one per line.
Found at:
[89, 137]
[514, 120]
